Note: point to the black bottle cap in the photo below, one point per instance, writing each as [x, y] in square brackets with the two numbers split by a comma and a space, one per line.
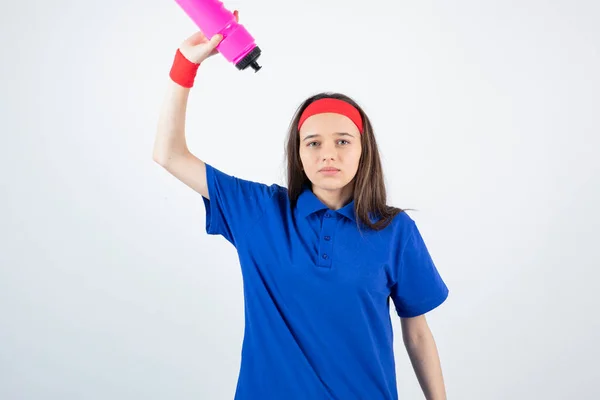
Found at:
[250, 60]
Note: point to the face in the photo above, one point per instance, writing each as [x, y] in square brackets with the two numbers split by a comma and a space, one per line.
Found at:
[330, 150]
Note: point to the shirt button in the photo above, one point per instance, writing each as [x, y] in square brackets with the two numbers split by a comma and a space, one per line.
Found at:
[325, 256]
[327, 238]
[327, 215]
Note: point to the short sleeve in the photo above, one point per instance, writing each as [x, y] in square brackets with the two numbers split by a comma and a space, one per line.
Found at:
[234, 204]
[419, 287]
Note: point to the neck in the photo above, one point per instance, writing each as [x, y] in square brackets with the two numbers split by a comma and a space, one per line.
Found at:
[334, 199]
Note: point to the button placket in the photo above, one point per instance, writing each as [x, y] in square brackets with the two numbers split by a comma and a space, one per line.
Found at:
[325, 242]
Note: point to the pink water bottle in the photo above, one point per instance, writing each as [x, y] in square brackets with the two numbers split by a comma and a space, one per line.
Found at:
[237, 45]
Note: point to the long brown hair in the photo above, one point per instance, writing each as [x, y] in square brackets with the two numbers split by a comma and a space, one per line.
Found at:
[369, 192]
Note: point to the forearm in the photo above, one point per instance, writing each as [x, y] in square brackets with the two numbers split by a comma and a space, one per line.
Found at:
[170, 133]
[425, 360]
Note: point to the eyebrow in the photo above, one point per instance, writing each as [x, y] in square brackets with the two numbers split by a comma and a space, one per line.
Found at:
[336, 133]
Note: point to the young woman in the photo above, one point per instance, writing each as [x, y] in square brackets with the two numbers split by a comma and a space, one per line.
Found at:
[321, 259]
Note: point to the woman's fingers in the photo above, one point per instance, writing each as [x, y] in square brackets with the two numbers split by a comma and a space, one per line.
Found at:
[196, 38]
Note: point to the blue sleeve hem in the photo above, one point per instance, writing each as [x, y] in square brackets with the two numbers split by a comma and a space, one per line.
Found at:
[424, 307]
[208, 204]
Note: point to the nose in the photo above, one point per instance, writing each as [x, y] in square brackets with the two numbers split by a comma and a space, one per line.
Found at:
[328, 152]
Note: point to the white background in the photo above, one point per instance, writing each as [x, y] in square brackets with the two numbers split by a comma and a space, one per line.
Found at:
[486, 113]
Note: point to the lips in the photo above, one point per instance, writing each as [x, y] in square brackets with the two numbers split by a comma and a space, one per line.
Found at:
[329, 169]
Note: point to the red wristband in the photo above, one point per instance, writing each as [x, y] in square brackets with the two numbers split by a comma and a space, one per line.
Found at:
[183, 71]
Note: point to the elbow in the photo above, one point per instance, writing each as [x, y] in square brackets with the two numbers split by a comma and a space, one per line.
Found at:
[418, 340]
[166, 157]
[158, 158]
[161, 154]
[161, 158]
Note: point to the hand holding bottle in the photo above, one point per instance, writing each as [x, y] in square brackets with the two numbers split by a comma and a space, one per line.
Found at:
[198, 47]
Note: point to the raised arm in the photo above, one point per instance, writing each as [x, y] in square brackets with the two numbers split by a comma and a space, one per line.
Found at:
[170, 147]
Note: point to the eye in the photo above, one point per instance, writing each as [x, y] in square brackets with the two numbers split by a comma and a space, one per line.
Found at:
[339, 141]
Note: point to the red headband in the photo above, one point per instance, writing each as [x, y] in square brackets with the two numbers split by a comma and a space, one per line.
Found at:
[330, 105]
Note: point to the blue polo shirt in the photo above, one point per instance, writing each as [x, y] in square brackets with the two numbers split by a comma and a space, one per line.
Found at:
[317, 291]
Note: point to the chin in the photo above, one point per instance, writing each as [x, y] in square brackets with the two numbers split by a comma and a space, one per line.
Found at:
[329, 184]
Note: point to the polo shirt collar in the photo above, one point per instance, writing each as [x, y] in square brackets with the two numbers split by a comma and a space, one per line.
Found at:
[308, 204]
